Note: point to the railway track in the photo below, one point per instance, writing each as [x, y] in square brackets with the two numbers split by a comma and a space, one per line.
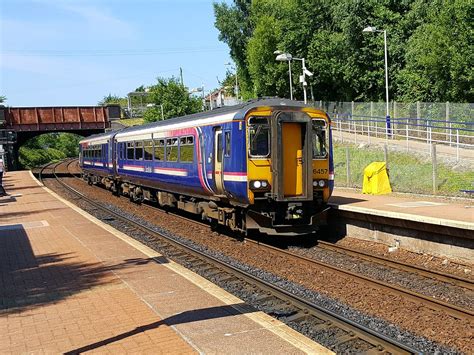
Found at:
[432, 303]
[432, 274]
[344, 334]
[438, 305]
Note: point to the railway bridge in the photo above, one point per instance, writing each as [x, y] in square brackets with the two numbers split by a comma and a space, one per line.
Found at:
[19, 124]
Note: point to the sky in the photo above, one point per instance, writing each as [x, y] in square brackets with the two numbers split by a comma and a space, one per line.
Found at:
[75, 52]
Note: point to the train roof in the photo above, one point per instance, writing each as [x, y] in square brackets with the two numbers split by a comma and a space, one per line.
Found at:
[228, 113]
[99, 138]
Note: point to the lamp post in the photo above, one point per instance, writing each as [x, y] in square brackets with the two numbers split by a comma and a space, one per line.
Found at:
[236, 80]
[201, 90]
[283, 57]
[286, 57]
[387, 117]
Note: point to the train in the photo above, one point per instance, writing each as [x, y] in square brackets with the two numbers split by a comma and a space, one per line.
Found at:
[263, 166]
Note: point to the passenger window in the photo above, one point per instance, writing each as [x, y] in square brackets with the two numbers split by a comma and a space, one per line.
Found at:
[148, 150]
[227, 144]
[130, 151]
[159, 149]
[186, 149]
[219, 147]
[172, 149]
[138, 150]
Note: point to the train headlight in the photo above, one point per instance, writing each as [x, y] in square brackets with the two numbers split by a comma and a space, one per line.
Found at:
[261, 185]
[319, 183]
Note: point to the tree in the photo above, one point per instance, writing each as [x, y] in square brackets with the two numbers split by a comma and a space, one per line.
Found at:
[2, 99]
[440, 55]
[113, 99]
[430, 51]
[235, 29]
[47, 148]
[174, 98]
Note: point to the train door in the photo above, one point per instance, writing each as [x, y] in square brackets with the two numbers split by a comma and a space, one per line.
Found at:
[218, 166]
[292, 158]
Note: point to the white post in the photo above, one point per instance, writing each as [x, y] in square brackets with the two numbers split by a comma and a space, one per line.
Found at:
[426, 124]
[434, 164]
[407, 132]
[447, 119]
[368, 131]
[450, 134]
[348, 168]
[340, 131]
[291, 80]
[457, 145]
[418, 114]
[355, 130]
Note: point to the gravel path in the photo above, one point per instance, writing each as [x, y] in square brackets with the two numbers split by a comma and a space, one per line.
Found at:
[391, 313]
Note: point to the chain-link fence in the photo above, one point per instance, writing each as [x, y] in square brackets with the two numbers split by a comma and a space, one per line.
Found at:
[414, 172]
[428, 147]
[439, 111]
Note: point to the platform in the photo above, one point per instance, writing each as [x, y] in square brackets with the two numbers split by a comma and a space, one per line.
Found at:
[437, 226]
[70, 283]
[456, 213]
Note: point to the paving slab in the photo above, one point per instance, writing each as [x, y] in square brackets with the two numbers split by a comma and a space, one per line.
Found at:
[70, 283]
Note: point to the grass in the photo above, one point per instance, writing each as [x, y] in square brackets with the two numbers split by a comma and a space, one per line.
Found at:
[407, 173]
[132, 121]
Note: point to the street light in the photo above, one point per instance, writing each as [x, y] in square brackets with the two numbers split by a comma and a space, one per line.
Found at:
[283, 57]
[286, 57]
[201, 90]
[236, 81]
[387, 118]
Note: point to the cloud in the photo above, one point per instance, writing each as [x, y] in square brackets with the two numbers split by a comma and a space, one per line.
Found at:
[89, 19]
[100, 19]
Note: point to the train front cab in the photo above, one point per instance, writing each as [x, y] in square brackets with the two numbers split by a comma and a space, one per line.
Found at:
[288, 169]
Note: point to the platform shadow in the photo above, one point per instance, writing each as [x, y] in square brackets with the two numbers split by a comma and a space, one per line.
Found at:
[181, 318]
[28, 281]
[340, 200]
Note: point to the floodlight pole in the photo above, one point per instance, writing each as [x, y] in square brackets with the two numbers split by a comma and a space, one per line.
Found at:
[386, 83]
[291, 80]
[387, 99]
[304, 83]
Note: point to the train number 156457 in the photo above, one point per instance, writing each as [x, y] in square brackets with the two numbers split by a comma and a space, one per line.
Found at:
[320, 171]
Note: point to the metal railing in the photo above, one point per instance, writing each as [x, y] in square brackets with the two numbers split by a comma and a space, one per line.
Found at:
[455, 134]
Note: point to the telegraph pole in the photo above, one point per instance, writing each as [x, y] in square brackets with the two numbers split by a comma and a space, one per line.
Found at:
[181, 75]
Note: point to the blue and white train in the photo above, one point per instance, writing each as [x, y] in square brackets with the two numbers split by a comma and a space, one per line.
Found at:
[263, 165]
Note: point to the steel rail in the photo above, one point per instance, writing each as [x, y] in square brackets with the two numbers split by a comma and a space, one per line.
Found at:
[380, 342]
[438, 305]
[433, 274]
